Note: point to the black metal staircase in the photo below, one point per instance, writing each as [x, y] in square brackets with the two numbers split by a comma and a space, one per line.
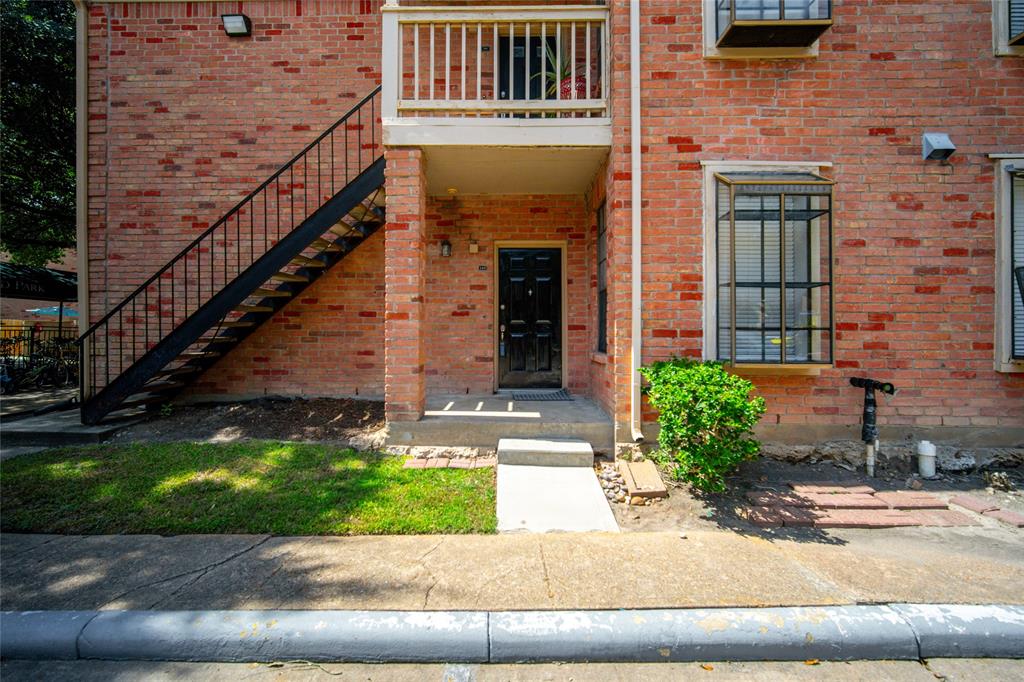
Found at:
[240, 271]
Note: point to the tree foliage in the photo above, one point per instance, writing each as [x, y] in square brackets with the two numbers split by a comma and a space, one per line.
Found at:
[37, 129]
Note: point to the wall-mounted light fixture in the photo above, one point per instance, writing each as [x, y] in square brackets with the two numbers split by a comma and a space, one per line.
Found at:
[446, 248]
[236, 25]
[936, 146]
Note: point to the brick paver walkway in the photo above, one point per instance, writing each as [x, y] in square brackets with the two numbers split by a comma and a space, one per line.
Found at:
[828, 505]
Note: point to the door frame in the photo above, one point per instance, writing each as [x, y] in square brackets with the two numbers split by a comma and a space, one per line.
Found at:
[563, 246]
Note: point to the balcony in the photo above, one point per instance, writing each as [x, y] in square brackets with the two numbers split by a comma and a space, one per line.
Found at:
[488, 76]
[771, 23]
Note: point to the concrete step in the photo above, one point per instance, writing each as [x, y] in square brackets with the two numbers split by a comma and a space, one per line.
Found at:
[558, 452]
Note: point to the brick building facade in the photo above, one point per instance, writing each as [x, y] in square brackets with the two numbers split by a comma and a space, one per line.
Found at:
[184, 121]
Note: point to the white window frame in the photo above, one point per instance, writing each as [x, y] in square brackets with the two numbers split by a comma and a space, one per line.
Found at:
[1003, 284]
[712, 51]
[710, 254]
[1001, 31]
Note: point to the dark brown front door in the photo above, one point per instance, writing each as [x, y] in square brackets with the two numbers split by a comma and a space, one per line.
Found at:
[529, 318]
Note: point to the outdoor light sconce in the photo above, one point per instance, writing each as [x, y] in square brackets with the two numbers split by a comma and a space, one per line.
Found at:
[236, 25]
[936, 146]
[446, 249]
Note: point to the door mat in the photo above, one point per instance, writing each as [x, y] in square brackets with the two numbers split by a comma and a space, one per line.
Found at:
[560, 394]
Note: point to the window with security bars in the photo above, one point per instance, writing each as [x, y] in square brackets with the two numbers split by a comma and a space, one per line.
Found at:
[1016, 23]
[774, 268]
[602, 281]
[1017, 264]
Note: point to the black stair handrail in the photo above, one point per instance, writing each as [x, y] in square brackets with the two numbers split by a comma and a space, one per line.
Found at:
[217, 238]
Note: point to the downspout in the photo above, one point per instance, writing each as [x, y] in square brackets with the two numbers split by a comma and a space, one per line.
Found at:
[82, 169]
[636, 187]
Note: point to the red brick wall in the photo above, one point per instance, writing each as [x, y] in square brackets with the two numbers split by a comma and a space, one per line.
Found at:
[460, 296]
[914, 240]
[405, 268]
[172, 147]
[184, 121]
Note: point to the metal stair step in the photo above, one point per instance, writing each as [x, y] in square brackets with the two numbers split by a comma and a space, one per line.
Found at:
[325, 246]
[346, 230]
[271, 293]
[307, 262]
[200, 354]
[245, 308]
[289, 277]
[365, 213]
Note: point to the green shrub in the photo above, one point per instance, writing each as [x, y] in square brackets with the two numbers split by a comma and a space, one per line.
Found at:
[706, 416]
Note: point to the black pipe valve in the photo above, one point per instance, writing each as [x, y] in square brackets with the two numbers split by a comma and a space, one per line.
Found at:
[869, 424]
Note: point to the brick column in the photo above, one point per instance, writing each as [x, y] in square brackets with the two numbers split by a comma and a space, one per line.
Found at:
[404, 275]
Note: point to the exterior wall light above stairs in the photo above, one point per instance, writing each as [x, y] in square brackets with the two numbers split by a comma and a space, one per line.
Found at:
[446, 248]
[236, 25]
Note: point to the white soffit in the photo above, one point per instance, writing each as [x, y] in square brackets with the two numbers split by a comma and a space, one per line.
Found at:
[512, 170]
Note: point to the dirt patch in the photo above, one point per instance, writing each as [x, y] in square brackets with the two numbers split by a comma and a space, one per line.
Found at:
[688, 509]
[356, 423]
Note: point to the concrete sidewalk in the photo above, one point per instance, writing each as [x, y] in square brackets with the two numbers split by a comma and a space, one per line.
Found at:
[554, 571]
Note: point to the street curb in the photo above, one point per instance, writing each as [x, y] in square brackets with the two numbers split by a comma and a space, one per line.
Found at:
[835, 633]
[945, 631]
[50, 635]
[367, 636]
[838, 633]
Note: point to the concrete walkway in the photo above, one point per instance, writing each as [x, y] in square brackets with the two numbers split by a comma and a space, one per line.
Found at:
[513, 571]
[544, 499]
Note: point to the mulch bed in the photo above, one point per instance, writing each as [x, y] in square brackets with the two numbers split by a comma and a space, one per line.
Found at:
[338, 420]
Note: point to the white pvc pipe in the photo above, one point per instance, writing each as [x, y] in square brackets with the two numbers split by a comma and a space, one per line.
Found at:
[636, 171]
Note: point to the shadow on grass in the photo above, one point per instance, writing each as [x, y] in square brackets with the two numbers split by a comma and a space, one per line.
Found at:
[249, 487]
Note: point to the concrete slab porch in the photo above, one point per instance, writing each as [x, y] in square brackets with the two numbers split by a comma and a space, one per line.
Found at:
[480, 421]
[62, 428]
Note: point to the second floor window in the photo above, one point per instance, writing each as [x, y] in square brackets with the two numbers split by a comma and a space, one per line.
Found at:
[774, 268]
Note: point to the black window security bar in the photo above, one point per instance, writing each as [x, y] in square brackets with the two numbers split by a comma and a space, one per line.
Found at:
[774, 268]
[1017, 265]
[185, 289]
[1016, 23]
[602, 281]
[771, 23]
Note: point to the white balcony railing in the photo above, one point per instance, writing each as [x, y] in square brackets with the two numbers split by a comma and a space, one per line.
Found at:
[495, 62]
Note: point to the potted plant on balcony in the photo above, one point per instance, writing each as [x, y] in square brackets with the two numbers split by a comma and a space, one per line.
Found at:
[558, 74]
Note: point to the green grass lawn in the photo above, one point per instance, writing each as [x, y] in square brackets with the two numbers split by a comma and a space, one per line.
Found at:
[248, 487]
